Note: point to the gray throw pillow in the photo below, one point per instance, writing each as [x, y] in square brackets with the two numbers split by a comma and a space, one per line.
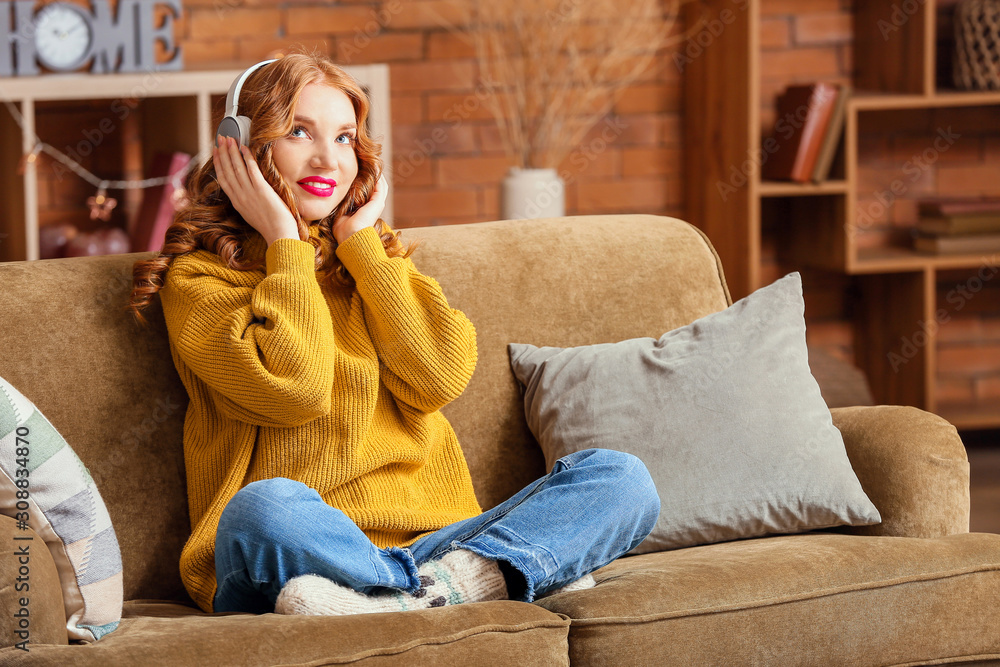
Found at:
[724, 412]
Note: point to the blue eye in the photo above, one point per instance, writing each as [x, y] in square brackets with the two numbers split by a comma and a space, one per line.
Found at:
[300, 132]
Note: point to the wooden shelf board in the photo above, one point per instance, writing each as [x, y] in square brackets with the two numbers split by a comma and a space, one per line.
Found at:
[893, 260]
[789, 189]
[110, 86]
[971, 415]
[136, 84]
[864, 101]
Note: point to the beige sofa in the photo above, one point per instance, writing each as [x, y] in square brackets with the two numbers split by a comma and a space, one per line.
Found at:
[916, 589]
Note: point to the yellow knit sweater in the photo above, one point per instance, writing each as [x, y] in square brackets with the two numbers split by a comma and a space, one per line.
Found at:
[338, 388]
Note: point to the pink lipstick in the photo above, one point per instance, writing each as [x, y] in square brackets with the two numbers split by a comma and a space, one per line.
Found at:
[318, 186]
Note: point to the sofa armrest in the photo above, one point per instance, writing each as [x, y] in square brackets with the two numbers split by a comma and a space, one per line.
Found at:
[913, 466]
[35, 582]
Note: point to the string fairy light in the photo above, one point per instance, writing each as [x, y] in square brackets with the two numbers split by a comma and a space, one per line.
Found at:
[90, 177]
[100, 204]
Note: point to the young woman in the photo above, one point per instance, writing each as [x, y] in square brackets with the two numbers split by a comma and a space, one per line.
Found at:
[322, 477]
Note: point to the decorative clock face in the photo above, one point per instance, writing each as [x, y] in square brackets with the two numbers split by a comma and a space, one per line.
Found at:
[62, 36]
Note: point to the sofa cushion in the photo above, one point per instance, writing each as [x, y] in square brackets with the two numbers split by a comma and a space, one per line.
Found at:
[168, 634]
[811, 599]
[723, 411]
[44, 485]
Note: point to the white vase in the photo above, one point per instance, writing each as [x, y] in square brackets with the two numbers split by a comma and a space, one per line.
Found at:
[532, 193]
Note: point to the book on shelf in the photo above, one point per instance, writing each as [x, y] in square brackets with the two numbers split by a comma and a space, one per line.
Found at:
[831, 138]
[964, 243]
[956, 225]
[803, 116]
[950, 206]
[157, 210]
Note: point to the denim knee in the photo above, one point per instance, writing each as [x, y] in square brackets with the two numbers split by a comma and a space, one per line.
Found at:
[256, 508]
[645, 495]
[631, 479]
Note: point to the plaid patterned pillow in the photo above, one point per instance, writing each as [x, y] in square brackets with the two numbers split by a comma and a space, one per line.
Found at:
[45, 484]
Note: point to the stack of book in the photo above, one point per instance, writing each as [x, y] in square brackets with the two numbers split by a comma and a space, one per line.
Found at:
[810, 122]
[958, 226]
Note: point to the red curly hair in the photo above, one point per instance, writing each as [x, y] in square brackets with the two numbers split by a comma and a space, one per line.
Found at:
[208, 221]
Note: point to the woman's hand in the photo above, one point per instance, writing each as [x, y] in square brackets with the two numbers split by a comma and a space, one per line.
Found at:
[252, 196]
[366, 216]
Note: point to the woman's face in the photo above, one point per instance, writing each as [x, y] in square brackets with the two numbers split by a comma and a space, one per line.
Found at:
[317, 159]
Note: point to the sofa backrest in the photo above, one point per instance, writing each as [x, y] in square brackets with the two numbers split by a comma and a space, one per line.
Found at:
[110, 387]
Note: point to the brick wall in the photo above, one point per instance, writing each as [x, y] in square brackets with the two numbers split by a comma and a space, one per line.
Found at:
[448, 157]
[449, 161]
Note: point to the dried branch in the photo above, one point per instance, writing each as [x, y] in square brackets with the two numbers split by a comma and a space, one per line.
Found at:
[553, 68]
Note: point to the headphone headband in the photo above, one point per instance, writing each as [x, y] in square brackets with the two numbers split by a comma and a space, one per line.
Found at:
[233, 97]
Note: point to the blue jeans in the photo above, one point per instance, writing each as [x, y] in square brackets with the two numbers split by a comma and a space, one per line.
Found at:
[593, 507]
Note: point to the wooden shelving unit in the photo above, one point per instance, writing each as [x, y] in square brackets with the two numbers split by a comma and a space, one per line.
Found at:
[894, 73]
[180, 111]
[782, 189]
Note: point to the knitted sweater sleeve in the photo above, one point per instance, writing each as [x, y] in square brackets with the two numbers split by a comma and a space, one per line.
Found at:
[426, 348]
[264, 350]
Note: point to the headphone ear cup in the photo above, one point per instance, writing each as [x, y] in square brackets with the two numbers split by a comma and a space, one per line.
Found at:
[237, 127]
[229, 127]
[244, 122]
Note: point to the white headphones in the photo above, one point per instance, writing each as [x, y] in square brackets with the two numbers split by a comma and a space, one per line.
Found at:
[233, 125]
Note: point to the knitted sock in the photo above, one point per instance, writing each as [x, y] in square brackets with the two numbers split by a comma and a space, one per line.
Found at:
[583, 583]
[459, 576]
